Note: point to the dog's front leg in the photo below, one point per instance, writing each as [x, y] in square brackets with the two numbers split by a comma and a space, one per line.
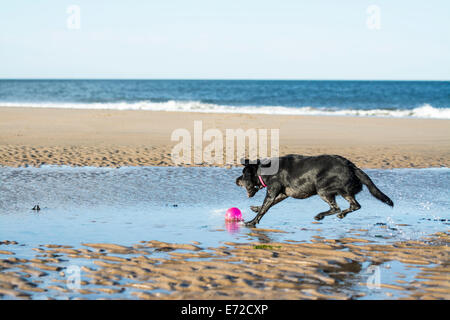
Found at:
[278, 199]
[269, 201]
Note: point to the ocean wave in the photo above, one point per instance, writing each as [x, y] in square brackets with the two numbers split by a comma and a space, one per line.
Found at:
[424, 111]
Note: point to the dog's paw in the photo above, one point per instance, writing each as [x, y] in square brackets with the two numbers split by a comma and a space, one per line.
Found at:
[341, 215]
[255, 208]
[250, 224]
[318, 217]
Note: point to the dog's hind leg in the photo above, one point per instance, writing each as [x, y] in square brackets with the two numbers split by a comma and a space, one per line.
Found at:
[334, 208]
[354, 205]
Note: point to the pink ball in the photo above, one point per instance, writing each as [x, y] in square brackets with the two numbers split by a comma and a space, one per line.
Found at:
[233, 214]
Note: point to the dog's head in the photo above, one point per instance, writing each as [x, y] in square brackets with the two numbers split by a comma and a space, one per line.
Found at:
[249, 179]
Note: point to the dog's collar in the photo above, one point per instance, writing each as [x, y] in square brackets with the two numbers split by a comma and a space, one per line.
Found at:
[262, 182]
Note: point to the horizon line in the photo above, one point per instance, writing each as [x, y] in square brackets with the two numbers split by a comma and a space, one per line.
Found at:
[229, 79]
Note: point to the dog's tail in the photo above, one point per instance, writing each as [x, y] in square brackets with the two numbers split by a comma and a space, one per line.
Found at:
[364, 178]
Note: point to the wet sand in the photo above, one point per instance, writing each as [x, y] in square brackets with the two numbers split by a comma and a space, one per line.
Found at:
[34, 137]
[321, 269]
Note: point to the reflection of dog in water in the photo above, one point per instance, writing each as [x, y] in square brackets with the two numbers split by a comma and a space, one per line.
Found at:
[301, 177]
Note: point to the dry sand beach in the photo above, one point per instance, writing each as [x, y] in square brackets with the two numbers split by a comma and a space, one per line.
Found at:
[37, 136]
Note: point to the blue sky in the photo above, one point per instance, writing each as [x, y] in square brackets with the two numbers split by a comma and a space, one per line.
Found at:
[212, 39]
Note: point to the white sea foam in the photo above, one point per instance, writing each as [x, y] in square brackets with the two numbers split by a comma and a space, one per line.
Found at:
[424, 111]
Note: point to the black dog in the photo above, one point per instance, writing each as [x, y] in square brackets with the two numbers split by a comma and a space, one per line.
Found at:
[301, 177]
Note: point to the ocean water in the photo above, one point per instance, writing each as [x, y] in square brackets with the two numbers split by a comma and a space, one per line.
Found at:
[419, 99]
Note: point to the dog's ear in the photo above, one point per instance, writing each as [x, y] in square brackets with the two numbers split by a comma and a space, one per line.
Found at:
[248, 162]
[265, 163]
[244, 162]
